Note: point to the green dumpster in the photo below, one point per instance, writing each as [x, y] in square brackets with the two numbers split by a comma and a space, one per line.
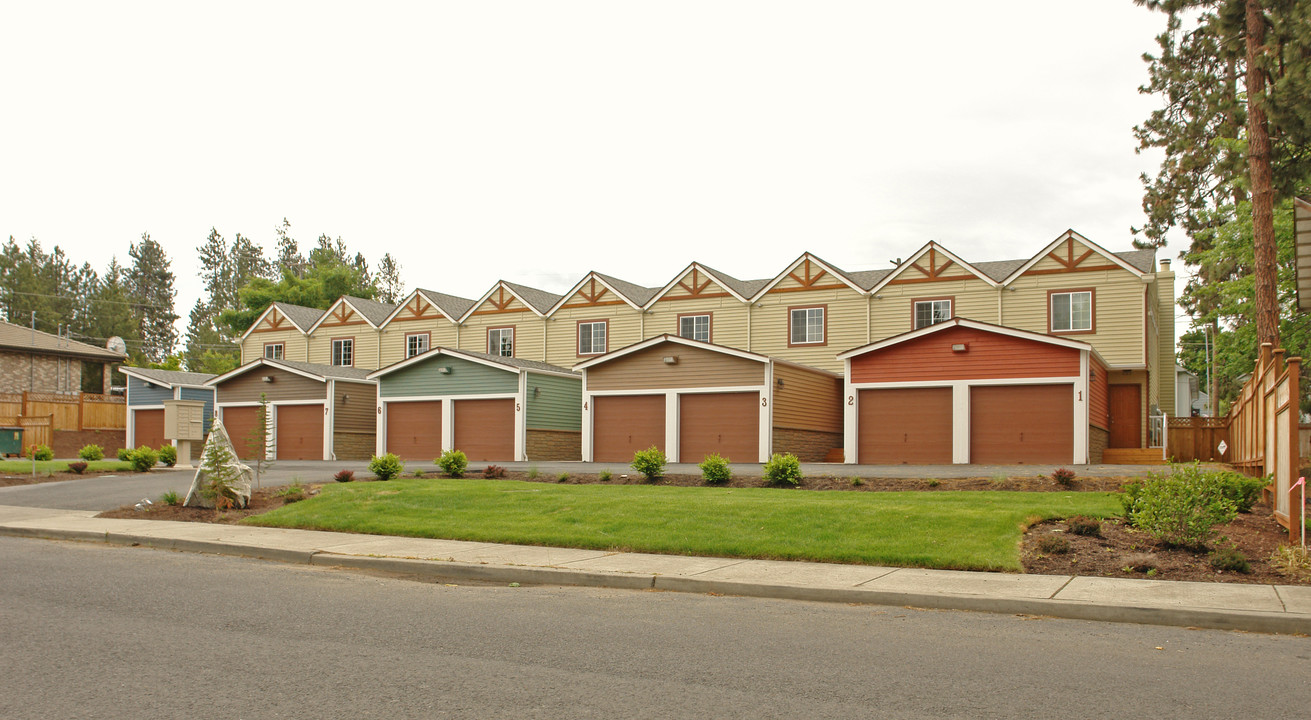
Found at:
[11, 441]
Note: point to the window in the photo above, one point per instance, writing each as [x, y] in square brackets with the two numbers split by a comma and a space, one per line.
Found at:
[806, 326]
[932, 311]
[273, 351]
[416, 344]
[1072, 311]
[343, 352]
[591, 338]
[500, 341]
[694, 327]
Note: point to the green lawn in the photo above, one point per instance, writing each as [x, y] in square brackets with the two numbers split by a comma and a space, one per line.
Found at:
[955, 530]
[20, 467]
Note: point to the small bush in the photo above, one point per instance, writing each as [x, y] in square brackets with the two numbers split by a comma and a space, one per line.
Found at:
[1244, 491]
[715, 470]
[605, 475]
[386, 466]
[1063, 476]
[782, 470]
[40, 453]
[170, 497]
[650, 462]
[453, 463]
[1054, 545]
[1182, 507]
[91, 453]
[168, 455]
[494, 471]
[857, 482]
[418, 473]
[562, 477]
[934, 482]
[143, 458]
[533, 472]
[344, 476]
[123, 454]
[294, 492]
[77, 467]
[1230, 559]
[1083, 525]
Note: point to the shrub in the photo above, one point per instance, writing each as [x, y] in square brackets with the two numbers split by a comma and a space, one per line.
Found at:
[77, 467]
[782, 470]
[170, 497]
[494, 471]
[934, 482]
[453, 463]
[1084, 525]
[41, 453]
[1244, 491]
[386, 467]
[715, 469]
[418, 473]
[650, 462]
[857, 482]
[605, 475]
[562, 477]
[1230, 559]
[168, 455]
[1054, 545]
[91, 453]
[221, 477]
[533, 472]
[1063, 476]
[1182, 507]
[123, 454]
[294, 492]
[143, 458]
[1129, 495]
[344, 476]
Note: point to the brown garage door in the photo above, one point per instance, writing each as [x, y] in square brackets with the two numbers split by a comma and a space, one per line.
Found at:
[300, 432]
[484, 429]
[905, 425]
[723, 423]
[241, 424]
[414, 430]
[1021, 424]
[624, 424]
[149, 428]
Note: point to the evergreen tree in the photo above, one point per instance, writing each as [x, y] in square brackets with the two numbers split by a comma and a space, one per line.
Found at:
[387, 280]
[289, 257]
[151, 284]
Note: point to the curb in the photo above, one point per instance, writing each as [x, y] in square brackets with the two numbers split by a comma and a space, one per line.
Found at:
[1216, 619]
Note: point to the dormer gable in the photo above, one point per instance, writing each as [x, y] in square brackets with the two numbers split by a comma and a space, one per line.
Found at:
[278, 317]
[597, 290]
[1071, 253]
[809, 272]
[932, 263]
[697, 281]
[348, 311]
[506, 297]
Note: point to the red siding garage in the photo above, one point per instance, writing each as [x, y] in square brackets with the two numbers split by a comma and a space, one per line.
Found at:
[300, 432]
[241, 424]
[1021, 424]
[624, 424]
[484, 429]
[724, 423]
[414, 430]
[149, 429]
[905, 425]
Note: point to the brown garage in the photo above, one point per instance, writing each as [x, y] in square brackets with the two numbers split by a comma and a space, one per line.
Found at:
[484, 429]
[300, 432]
[625, 424]
[905, 425]
[242, 426]
[414, 429]
[727, 424]
[149, 428]
[1021, 424]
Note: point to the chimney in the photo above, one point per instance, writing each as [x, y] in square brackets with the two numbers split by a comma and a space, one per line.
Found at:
[1165, 264]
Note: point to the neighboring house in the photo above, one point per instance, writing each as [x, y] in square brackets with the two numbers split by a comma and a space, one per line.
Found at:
[35, 361]
[1187, 394]
[1302, 243]
[348, 333]
[147, 389]
[281, 332]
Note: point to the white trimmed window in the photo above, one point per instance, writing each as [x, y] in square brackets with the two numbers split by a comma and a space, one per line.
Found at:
[273, 351]
[694, 327]
[1072, 311]
[806, 326]
[416, 344]
[931, 312]
[343, 352]
[591, 338]
[500, 341]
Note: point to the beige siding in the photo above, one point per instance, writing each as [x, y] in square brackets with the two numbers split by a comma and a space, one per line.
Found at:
[441, 333]
[807, 400]
[695, 368]
[1164, 377]
[358, 413]
[294, 345]
[529, 332]
[285, 386]
[892, 312]
[623, 328]
[1119, 310]
[845, 317]
[366, 344]
[728, 315]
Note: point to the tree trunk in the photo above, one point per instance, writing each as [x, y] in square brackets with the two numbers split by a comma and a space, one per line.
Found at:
[1258, 158]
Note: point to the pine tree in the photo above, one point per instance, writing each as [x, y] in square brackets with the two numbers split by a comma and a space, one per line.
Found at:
[387, 280]
[151, 284]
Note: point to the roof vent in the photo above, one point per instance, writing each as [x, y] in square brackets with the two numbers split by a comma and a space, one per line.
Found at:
[1165, 264]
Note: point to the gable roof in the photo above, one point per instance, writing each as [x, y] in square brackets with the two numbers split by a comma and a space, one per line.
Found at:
[1137, 256]
[313, 371]
[741, 289]
[634, 295]
[503, 363]
[450, 306]
[301, 317]
[810, 257]
[27, 340]
[539, 301]
[649, 342]
[168, 378]
[374, 313]
[972, 324]
[932, 248]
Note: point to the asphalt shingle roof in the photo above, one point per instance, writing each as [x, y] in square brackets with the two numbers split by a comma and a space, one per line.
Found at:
[172, 377]
[331, 372]
[1144, 260]
[304, 317]
[454, 307]
[24, 339]
[373, 310]
[539, 299]
[638, 294]
[745, 288]
[511, 362]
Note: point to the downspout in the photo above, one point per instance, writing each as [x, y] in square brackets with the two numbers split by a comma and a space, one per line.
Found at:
[1001, 291]
[332, 420]
[748, 326]
[869, 318]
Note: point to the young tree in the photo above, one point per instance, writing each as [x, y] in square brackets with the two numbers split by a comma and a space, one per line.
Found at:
[387, 280]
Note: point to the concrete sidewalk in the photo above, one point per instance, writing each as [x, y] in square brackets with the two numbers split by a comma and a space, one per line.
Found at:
[1229, 606]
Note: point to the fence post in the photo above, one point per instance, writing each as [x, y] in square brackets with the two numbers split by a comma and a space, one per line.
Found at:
[1296, 519]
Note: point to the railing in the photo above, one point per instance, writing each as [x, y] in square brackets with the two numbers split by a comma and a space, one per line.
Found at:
[1156, 430]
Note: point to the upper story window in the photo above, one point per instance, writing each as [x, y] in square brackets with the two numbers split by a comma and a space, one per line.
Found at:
[416, 344]
[1071, 311]
[274, 351]
[500, 341]
[806, 326]
[694, 327]
[343, 352]
[591, 338]
[930, 312]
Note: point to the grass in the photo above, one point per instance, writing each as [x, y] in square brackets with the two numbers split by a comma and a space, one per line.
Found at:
[23, 467]
[951, 530]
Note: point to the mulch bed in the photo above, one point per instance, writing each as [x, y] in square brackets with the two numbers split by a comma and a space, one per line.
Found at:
[40, 477]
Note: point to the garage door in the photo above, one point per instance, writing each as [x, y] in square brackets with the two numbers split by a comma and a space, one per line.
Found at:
[414, 430]
[149, 428]
[1022, 424]
[300, 432]
[624, 424]
[484, 429]
[905, 425]
[723, 423]
[241, 424]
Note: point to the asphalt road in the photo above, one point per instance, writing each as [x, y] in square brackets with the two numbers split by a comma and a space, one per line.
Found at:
[93, 631]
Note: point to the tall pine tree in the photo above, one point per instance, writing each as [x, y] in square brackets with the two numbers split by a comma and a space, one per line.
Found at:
[150, 281]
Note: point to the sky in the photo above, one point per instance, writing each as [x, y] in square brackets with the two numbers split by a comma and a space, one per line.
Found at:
[535, 141]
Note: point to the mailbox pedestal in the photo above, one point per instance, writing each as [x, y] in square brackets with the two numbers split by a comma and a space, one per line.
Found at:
[184, 421]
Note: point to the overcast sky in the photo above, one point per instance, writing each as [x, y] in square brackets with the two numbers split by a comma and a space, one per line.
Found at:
[534, 141]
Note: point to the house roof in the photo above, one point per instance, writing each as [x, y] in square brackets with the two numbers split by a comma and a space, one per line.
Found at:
[21, 339]
[508, 363]
[637, 293]
[312, 371]
[452, 306]
[302, 317]
[168, 378]
[372, 310]
[974, 324]
[539, 300]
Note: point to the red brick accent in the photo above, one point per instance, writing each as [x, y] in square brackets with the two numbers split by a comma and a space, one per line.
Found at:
[68, 442]
[1098, 439]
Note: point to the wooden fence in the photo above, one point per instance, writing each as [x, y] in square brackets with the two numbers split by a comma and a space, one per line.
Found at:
[65, 411]
[1197, 438]
[1263, 431]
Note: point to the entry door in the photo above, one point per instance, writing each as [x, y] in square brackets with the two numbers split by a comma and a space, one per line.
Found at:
[1126, 416]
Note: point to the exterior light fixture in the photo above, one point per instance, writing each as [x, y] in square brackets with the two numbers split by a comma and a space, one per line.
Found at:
[444, 370]
[267, 378]
[960, 347]
[670, 359]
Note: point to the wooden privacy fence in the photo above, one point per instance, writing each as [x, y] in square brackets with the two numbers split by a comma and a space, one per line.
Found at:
[1197, 438]
[68, 411]
[1263, 431]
